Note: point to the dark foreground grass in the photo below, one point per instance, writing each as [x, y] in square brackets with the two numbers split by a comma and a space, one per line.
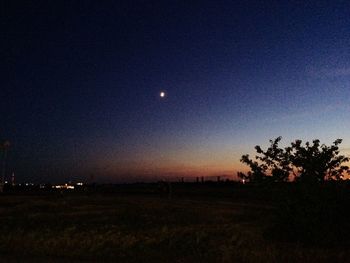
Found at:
[143, 228]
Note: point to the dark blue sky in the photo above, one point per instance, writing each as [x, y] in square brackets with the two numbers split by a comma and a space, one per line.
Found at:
[80, 84]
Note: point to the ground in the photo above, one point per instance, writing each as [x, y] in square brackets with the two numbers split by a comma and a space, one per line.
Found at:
[194, 224]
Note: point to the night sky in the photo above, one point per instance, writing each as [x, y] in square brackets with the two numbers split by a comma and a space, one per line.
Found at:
[80, 84]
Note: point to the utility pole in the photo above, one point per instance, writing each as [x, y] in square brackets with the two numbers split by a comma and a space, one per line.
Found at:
[4, 147]
[13, 182]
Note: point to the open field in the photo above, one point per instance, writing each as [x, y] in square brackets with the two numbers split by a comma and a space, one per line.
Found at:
[211, 224]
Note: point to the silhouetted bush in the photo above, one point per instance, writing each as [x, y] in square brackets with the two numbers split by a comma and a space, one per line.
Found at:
[315, 209]
[310, 163]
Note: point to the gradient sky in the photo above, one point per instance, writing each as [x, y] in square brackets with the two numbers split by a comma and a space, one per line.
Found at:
[80, 83]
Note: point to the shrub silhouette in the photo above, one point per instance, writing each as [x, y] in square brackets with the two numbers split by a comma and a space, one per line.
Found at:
[314, 209]
[309, 163]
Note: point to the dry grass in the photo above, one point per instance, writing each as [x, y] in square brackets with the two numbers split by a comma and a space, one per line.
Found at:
[119, 228]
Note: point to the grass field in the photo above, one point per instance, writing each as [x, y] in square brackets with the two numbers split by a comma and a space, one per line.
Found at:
[212, 225]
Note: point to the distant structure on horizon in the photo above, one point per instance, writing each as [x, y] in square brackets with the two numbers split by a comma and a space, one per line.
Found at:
[4, 147]
[13, 182]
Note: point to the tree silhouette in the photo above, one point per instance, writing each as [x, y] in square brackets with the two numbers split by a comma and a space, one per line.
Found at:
[317, 163]
[311, 162]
